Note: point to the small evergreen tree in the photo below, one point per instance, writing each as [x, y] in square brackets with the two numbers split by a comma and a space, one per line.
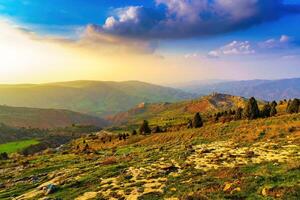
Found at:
[273, 111]
[266, 111]
[238, 114]
[134, 132]
[251, 110]
[190, 124]
[197, 122]
[3, 156]
[157, 129]
[293, 106]
[144, 129]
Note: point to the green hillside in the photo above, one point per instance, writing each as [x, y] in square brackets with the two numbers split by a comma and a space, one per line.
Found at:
[45, 118]
[231, 160]
[177, 113]
[92, 97]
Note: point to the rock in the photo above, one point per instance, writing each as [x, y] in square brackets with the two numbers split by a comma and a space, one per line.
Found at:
[264, 192]
[227, 187]
[50, 189]
[250, 154]
[2, 186]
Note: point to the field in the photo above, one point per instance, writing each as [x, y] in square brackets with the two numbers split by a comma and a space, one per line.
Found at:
[243, 159]
[13, 147]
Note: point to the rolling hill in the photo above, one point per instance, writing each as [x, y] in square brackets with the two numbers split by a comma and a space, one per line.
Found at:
[91, 97]
[45, 118]
[263, 89]
[174, 113]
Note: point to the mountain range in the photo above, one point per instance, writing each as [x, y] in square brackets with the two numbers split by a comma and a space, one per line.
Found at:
[96, 98]
[263, 89]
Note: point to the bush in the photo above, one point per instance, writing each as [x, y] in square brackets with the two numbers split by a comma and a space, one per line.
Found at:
[3, 156]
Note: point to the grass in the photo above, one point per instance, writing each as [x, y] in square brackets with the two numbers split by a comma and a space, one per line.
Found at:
[13, 147]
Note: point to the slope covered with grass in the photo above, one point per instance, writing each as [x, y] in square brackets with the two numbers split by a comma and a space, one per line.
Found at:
[257, 159]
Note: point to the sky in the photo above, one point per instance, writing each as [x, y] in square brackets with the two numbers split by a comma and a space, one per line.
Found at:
[157, 41]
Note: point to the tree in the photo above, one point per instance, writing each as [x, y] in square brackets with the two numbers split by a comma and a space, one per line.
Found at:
[251, 110]
[238, 114]
[144, 129]
[273, 111]
[293, 106]
[157, 129]
[134, 132]
[266, 111]
[190, 124]
[197, 122]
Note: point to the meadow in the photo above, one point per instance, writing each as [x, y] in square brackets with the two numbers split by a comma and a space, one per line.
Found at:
[12, 147]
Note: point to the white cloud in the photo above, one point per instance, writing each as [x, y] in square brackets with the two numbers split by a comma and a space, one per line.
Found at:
[283, 42]
[233, 48]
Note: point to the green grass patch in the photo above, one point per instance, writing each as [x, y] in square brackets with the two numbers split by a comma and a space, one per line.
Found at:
[12, 147]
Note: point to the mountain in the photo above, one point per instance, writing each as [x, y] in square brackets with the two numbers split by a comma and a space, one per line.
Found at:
[92, 97]
[45, 118]
[174, 113]
[263, 89]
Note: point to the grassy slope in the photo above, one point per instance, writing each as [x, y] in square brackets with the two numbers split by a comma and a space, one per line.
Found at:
[177, 113]
[138, 165]
[12, 147]
[97, 98]
[45, 118]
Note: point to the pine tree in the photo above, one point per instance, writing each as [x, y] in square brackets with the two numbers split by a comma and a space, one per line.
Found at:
[293, 106]
[144, 129]
[134, 132]
[266, 111]
[273, 109]
[238, 114]
[197, 122]
[251, 110]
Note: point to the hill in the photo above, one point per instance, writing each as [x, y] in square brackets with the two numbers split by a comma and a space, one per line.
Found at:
[91, 97]
[263, 89]
[45, 118]
[256, 159]
[179, 112]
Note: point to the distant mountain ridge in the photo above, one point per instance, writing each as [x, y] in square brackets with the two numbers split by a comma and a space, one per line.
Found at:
[97, 98]
[45, 118]
[263, 89]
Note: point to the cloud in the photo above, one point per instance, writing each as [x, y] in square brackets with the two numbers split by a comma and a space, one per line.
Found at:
[233, 48]
[283, 42]
[192, 18]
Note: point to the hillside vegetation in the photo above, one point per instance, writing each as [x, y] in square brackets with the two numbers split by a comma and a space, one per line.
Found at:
[45, 118]
[92, 97]
[231, 160]
[179, 112]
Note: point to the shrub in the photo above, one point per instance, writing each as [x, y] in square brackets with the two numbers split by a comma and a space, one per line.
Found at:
[3, 156]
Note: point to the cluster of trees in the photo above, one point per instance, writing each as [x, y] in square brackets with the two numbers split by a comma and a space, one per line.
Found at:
[293, 106]
[252, 111]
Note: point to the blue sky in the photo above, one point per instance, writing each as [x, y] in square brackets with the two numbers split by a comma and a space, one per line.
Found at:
[246, 34]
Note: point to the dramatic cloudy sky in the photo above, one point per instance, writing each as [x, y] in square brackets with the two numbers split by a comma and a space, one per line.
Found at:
[159, 41]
